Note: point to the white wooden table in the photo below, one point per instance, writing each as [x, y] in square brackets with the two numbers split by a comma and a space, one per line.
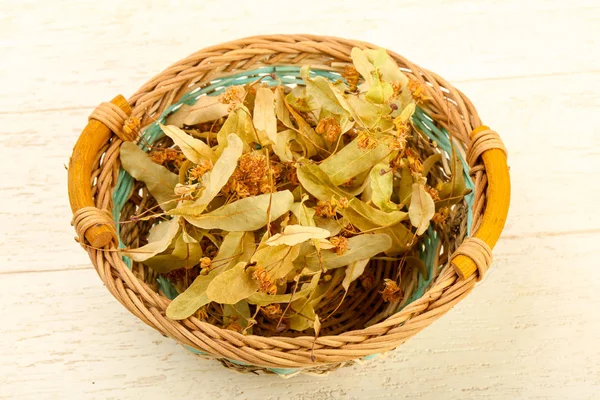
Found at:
[532, 330]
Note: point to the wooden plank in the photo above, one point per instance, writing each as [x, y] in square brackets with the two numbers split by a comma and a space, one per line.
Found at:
[508, 339]
[92, 51]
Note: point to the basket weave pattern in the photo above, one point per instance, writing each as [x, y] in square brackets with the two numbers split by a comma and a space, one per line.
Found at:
[448, 107]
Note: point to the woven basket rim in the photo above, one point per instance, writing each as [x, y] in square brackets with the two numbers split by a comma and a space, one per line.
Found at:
[286, 352]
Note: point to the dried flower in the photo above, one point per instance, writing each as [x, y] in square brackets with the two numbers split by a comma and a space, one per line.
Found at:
[434, 193]
[366, 142]
[340, 243]
[325, 209]
[342, 202]
[200, 169]
[397, 86]
[416, 167]
[411, 154]
[391, 291]
[271, 311]
[351, 75]
[402, 127]
[251, 177]
[441, 217]
[277, 170]
[165, 155]
[253, 165]
[396, 143]
[291, 174]
[265, 186]
[414, 162]
[329, 208]
[205, 263]
[232, 95]
[202, 313]
[418, 91]
[330, 128]
[265, 282]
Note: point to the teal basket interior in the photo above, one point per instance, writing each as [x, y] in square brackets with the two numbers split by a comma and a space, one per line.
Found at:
[287, 75]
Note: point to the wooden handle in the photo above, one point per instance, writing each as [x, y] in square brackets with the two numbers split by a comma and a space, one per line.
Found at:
[92, 139]
[496, 210]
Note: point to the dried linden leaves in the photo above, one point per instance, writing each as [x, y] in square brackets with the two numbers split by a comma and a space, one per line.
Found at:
[273, 197]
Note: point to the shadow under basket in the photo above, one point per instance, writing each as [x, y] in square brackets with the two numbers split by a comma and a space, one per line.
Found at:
[103, 195]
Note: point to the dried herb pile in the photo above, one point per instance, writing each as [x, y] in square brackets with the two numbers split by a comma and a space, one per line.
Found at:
[271, 199]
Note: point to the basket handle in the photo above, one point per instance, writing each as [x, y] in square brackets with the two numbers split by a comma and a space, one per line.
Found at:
[108, 118]
[496, 210]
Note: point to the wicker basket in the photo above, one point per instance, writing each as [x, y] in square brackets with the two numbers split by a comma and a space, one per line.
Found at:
[102, 194]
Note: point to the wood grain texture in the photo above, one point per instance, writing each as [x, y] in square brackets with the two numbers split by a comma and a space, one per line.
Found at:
[529, 331]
